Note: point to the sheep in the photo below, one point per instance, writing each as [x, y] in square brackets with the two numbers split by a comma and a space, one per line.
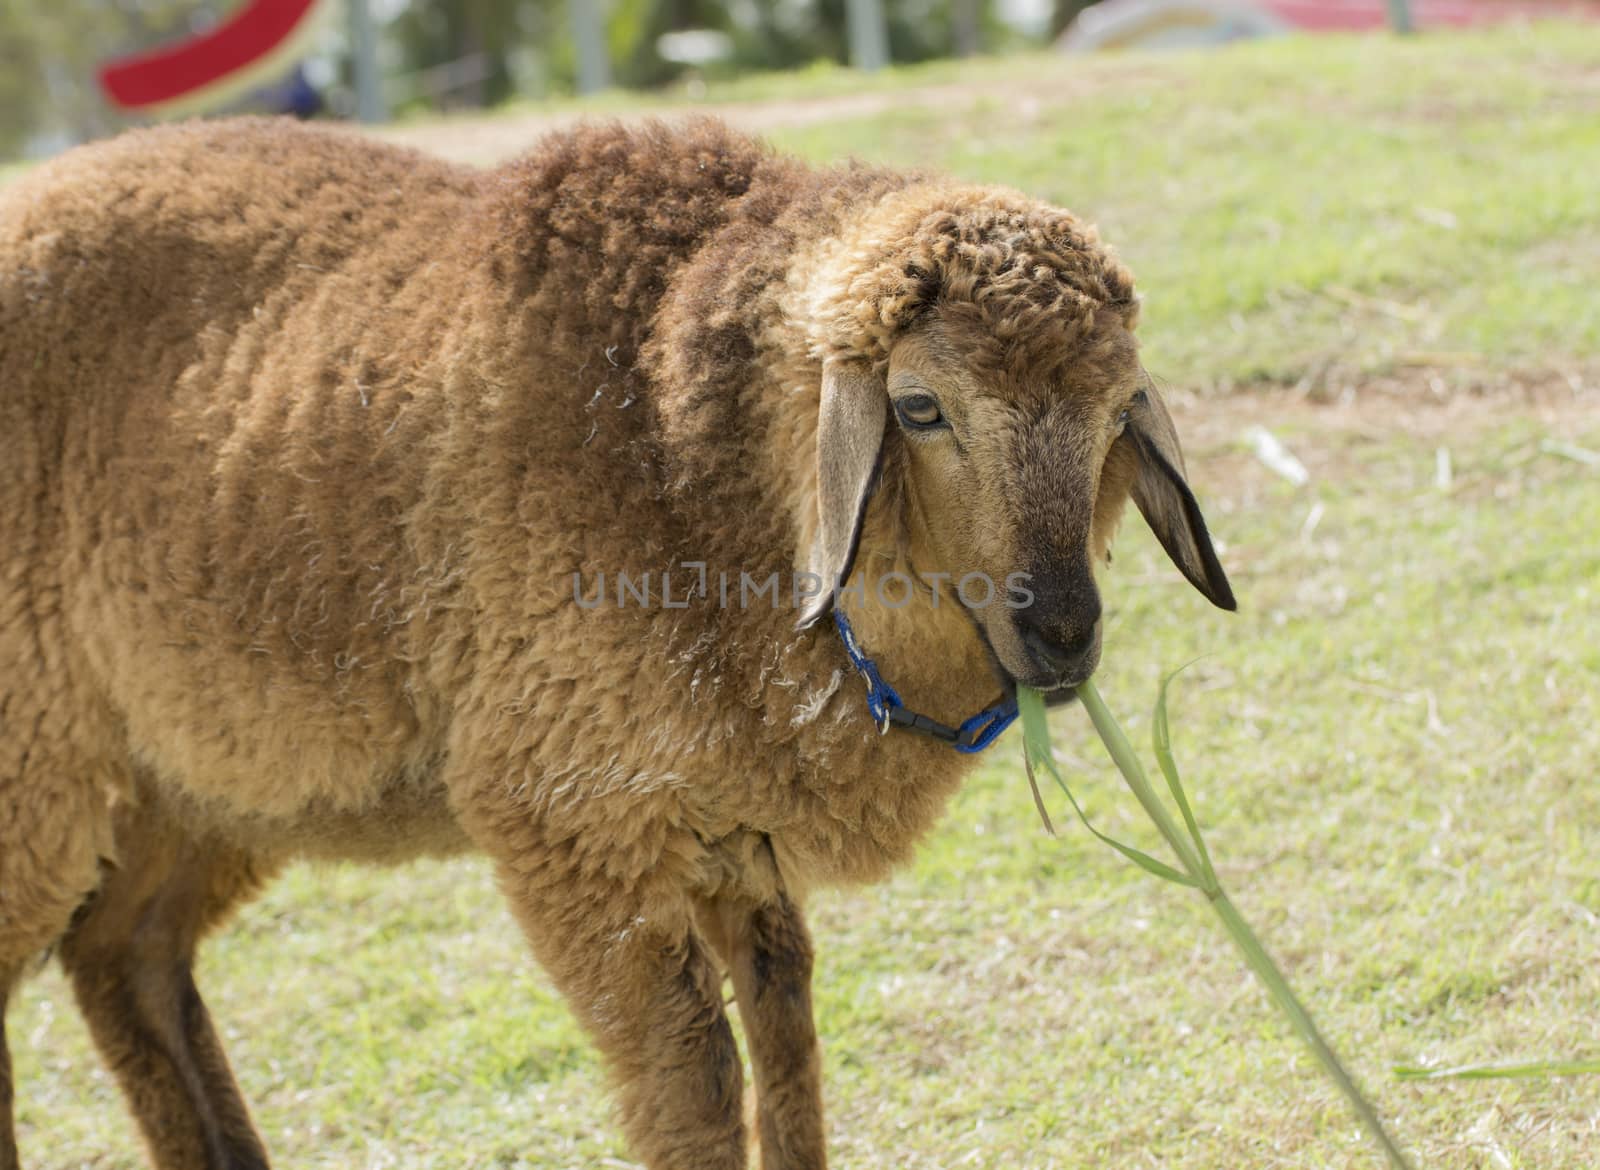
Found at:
[322, 461]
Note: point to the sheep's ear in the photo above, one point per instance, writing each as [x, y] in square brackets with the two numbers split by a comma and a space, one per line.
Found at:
[849, 438]
[1163, 496]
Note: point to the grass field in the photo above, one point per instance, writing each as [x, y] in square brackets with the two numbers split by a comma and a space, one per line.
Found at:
[1383, 251]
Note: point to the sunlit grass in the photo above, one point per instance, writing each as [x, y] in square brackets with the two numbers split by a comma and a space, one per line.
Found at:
[1194, 869]
[1321, 206]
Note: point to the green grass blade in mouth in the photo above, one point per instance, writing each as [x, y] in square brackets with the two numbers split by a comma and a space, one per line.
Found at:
[1036, 751]
[1187, 843]
[1035, 746]
[1127, 761]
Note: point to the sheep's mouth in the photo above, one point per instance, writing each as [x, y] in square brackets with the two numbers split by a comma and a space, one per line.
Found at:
[1060, 696]
[1053, 696]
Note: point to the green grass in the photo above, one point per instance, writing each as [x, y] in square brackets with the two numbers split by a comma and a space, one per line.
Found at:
[1391, 748]
[1447, 182]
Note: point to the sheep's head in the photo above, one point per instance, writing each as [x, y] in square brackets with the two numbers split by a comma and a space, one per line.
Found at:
[982, 366]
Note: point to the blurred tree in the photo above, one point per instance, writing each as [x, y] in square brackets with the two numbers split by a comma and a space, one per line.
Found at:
[457, 51]
[49, 50]
[966, 27]
[783, 33]
[638, 25]
[21, 82]
[787, 33]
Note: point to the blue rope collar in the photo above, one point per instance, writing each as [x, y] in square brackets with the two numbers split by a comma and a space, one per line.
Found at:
[974, 735]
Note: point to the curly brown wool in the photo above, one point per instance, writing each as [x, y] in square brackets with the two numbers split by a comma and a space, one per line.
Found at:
[307, 439]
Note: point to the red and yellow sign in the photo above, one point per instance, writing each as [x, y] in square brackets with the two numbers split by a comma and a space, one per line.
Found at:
[253, 45]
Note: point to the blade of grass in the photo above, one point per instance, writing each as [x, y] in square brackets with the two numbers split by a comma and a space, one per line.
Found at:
[1161, 744]
[1189, 846]
[1036, 744]
[1127, 761]
[1283, 995]
[1485, 1072]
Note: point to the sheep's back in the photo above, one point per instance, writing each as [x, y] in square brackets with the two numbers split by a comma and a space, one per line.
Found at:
[208, 340]
[320, 431]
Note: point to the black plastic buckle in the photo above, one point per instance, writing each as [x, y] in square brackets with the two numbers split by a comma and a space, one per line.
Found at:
[901, 717]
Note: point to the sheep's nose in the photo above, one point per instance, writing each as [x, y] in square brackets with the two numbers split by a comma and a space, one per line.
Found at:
[1065, 655]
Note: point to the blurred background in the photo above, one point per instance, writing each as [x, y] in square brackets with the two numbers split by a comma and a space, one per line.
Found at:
[72, 70]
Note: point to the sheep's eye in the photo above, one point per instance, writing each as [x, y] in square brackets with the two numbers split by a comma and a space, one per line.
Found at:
[918, 411]
[1139, 399]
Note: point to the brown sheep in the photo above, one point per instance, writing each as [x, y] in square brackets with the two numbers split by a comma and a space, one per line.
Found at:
[315, 452]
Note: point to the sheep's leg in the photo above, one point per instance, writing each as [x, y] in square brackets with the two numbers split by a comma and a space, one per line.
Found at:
[52, 825]
[636, 972]
[129, 956]
[768, 954]
[8, 1133]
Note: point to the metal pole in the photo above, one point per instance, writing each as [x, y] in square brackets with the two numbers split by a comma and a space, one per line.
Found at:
[1400, 16]
[869, 35]
[364, 63]
[588, 30]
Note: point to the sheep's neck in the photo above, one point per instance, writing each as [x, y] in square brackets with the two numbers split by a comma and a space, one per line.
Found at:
[927, 646]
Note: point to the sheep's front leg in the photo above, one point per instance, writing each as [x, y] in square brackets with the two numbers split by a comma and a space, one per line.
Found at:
[634, 969]
[768, 953]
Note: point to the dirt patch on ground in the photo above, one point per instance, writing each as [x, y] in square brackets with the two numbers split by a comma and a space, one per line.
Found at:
[1424, 401]
[1410, 407]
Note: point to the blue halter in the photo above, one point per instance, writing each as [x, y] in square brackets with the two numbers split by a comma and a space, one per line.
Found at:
[972, 736]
